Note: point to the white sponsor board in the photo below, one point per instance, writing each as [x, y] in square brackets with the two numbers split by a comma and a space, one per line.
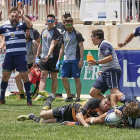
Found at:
[100, 10]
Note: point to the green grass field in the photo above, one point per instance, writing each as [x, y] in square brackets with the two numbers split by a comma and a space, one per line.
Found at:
[11, 129]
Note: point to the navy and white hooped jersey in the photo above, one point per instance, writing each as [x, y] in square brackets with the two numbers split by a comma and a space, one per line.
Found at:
[14, 38]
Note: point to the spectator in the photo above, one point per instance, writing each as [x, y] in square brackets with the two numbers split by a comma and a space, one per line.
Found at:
[72, 112]
[34, 34]
[35, 6]
[110, 69]
[49, 56]
[72, 48]
[31, 47]
[21, 3]
[15, 51]
[8, 5]
[60, 26]
[51, 3]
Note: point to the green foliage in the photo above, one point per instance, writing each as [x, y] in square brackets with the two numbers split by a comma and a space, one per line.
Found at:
[11, 129]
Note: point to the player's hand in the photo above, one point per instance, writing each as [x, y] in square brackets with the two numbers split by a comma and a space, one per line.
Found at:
[20, 12]
[80, 64]
[37, 60]
[91, 62]
[86, 125]
[0, 16]
[46, 59]
[99, 73]
[58, 64]
[118, 112]
[121, 45]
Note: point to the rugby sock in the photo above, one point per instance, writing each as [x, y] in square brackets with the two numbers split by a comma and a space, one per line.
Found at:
[32, 117]
[3, 89]
[28, 92]
[47, 105]
[38, 119]
[22, 94]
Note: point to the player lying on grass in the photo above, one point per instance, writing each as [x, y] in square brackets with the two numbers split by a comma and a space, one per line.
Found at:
[130, 112]
[75, 112]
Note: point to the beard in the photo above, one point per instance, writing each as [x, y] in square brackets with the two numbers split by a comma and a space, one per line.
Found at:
[14, 24]
[27, 37]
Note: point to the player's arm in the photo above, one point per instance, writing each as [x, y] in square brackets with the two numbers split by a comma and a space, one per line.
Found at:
[80, 64]
[61, 52]
[34, 48]
[39, 49]
[25, 19]
[127, 40]
[114, 99]
[96, 120]
[52, 46]
[80, 118]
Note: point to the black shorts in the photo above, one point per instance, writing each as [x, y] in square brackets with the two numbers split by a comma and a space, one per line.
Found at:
[50, 65]
[58, 112]
[50, 2]
[30, 65]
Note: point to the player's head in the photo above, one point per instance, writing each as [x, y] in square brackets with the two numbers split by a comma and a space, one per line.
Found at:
[13, 17]
[50, 20]
[68, 23]
[97, 36]
[66, 14]
[27, 34]
[105, 103]
[132, 110]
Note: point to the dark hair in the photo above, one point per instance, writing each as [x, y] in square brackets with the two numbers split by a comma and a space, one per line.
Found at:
[108, 96]
[68, 19]
[51, 15]
[27, 16]
[132, 110]
[66, 13]
[99, 33]
[13, 9]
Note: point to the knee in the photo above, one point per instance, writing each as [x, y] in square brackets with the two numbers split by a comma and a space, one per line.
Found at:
[42, 114]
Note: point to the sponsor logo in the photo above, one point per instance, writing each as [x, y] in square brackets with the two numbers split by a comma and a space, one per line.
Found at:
[67, 39]
[101, 14]
[12, 36]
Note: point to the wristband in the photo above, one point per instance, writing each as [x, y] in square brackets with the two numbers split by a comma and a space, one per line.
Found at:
[97, 63]
[115, 107]
[81, 59]
[91, 121]
[124, 43]
[49, 56]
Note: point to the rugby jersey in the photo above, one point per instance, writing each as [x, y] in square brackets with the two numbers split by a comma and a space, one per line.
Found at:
[105, 48]
[89, 108]
[133, 122]
[14, 38]
[71, 44]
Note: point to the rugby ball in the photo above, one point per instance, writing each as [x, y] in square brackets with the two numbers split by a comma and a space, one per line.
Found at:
[113, 118]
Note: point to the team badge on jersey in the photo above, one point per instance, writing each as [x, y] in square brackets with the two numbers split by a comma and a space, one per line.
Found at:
[45, 35]
[7, 31]
[67, 39]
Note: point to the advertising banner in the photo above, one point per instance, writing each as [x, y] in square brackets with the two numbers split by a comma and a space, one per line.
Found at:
[130, 78]
[100, 10]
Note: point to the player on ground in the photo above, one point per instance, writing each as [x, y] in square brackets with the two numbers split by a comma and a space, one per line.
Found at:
[76, 112]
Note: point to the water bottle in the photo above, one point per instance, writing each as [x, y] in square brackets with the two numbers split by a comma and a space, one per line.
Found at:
[89, 57]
